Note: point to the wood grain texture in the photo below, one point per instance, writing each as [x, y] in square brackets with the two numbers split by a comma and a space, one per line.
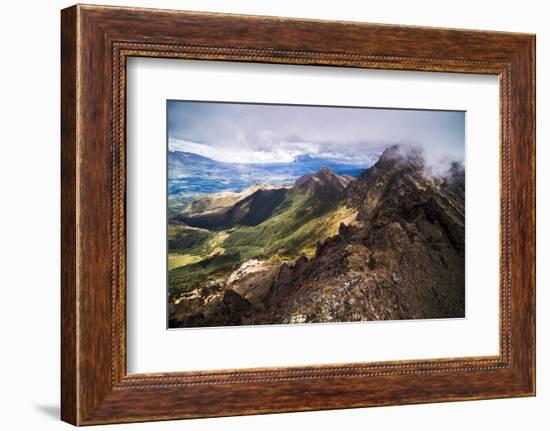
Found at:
[69, 397]
[96, 41]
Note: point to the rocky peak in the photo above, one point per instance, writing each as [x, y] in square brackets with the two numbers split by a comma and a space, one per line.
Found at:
[401, 157]
[398, 189]
[324, 182]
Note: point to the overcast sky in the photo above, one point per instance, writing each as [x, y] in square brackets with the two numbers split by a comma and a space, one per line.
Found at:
[248, 133]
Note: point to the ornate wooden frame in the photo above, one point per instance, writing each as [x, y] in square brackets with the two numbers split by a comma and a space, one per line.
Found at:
[95, 43]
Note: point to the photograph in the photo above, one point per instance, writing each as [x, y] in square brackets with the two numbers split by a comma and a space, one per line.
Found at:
[302, 214]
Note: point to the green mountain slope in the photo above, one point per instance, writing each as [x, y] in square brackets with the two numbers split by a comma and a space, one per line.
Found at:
[225, 210]
[294, 228]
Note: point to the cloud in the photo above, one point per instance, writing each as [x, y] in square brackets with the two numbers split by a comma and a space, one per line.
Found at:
[235, 155]
[255, 133]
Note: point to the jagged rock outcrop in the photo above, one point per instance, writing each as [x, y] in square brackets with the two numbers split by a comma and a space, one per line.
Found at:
[213, 305]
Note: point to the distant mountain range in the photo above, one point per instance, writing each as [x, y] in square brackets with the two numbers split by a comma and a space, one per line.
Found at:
[192, 174]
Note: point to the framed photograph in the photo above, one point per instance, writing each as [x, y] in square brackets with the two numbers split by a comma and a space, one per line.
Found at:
[264, 214]
[313, 214]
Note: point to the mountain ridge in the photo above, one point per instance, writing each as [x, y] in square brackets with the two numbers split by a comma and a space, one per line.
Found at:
[395, 251]
[257, 203]
[410, 238]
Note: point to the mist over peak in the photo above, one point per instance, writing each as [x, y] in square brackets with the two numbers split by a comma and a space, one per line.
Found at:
[432, 163]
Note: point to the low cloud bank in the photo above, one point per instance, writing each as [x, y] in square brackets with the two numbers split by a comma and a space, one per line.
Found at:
[249, 133]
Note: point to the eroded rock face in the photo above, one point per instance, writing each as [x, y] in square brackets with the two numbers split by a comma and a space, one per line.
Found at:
[253, 281]
[402, 259]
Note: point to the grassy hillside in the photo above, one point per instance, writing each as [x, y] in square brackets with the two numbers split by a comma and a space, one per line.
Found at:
[290, 233]
[189, 245]
[298, 223]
